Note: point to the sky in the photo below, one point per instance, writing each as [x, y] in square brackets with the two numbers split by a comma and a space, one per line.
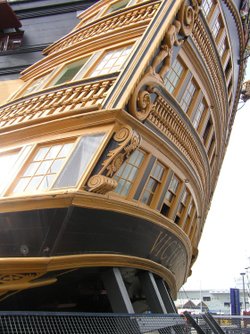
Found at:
[224, 249]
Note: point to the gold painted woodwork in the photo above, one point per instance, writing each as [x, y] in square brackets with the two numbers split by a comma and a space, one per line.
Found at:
[55, 102]
[7, 88]
[101, 184]
[128, 141]
[49, 264]
[108, 25]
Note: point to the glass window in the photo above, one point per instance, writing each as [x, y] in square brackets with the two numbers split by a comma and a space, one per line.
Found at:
[206, 7]
[7, 162]
[173, 76]
[112, 61]
[198, 114]
[170, 195]
[43, 168]
[152, 183]
[79, 161]
[216, 28]
[183, 202]
[117, 6]
[222, 48]
[128, 172]
[207, 129]
[10, 162]
[188, 96]
[36, 84]
[172, 189]
[69, 71]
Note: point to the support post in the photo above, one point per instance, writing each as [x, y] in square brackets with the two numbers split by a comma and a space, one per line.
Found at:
[152, 293]
[117, 291]
[167, 300]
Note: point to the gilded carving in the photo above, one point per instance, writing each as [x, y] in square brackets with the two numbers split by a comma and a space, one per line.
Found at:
[101, 184]
[17, 278]
[128, 140]
[141, 103]
[55, 102]
[120, 21]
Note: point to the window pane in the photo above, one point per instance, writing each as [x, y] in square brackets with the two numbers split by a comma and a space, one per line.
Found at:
[118, 5]
[69, 71]
[111, 62]
[173, 76]
[79, 161]
[41, 153]
[31, 169]
[6, 164]
[42, 171]
[46, 182]
[128, 172]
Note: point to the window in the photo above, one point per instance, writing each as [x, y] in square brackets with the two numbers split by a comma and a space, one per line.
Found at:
[35, 85]
[227, 304]
[58, 165]
[216, 27]
[188, 96]
[206, 7]
[43, 169]
[7, 162]
[182, 205]
[222, 48]
[207, 129]
[170, 195]
[152, 183]
[173, 76]
[79, 161]
[206, 299]
[10, 162]
[128, 172]
[112, 61]
[117, 6]
[198, 114]
[69, 71]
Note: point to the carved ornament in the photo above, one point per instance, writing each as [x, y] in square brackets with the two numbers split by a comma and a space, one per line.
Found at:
[128, 140]
[101, 184]
[141, 103]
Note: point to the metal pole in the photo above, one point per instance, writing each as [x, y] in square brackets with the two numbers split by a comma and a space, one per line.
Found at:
[244, 293]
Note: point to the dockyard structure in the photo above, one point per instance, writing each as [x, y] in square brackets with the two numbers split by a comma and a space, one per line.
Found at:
[110, 152]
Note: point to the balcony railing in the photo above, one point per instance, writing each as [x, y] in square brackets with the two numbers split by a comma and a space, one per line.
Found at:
[57, 100]
[120, 21]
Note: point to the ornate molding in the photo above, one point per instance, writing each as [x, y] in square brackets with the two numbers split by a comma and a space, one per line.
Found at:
[20, 281]
[141, 103]
[101, 184]
[128, 140]
[56, 101]
[127, 18]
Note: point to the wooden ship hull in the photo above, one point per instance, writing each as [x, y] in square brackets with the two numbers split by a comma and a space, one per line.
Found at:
[111, 149]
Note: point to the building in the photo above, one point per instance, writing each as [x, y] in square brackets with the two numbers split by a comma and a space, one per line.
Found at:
[214, 301]
[111, 150]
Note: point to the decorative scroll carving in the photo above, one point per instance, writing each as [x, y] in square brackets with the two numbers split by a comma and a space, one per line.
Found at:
[128, 140]
[141, 103]
[21, 281]
[101, 184]
[17, 278]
